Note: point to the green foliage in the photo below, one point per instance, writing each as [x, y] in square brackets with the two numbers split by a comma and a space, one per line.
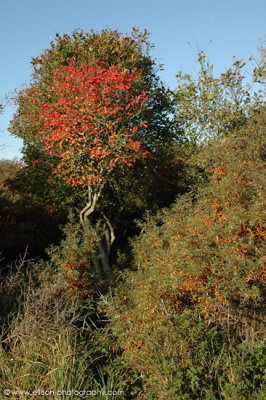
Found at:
[207, 107]
[189, 319]
[71, 262]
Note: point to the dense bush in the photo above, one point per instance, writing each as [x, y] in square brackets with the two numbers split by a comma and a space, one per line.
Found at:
[189, 320]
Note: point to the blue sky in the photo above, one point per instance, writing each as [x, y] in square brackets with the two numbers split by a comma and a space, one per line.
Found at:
[221, 27]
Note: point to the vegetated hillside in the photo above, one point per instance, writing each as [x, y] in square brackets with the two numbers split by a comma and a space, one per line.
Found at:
[190, 318]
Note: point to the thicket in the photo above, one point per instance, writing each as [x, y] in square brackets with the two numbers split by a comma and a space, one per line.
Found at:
[190, 318]
[175, 211]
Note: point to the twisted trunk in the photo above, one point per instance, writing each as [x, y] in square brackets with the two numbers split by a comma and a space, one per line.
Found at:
[102, 264]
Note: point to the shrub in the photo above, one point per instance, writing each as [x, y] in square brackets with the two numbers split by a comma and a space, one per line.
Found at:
[189, 320]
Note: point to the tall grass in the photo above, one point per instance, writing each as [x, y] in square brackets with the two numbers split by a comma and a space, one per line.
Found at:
[47, 343]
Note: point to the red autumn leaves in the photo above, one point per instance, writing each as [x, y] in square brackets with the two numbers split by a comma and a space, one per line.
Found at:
[90, 121]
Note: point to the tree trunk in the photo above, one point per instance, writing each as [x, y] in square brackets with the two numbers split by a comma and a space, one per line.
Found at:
[102, 264]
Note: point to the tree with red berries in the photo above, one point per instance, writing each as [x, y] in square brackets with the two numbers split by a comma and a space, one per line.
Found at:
[88, 99]
[90, 126]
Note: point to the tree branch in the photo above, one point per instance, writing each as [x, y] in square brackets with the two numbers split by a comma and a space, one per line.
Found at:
[90, 206]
